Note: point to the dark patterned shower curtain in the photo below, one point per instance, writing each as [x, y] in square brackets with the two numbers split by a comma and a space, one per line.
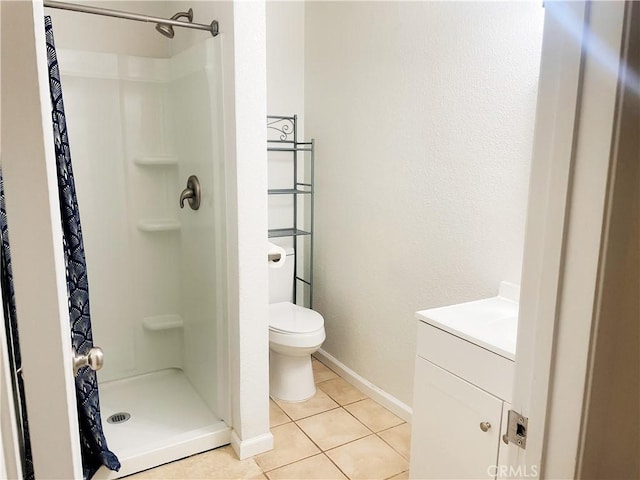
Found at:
[95, 452]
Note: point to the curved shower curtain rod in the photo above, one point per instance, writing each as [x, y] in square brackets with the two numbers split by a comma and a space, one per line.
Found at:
[212, 28]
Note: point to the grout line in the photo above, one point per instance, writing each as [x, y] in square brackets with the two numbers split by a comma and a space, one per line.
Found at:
[311, 439]
[392, 447]
[336, 400]
[396, 474]
[349, 442]
[285, 414]
[266, 472]
[342, 406]
[372, 391]
[318, 413]
[337, 446]
[358, 420]
[337, 466]
[393, 426]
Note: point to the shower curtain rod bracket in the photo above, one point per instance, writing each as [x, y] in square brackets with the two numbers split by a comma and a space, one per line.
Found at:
[215, 28]
[212, 28]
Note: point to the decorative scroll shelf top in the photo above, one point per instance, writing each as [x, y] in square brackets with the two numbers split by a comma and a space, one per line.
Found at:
[281, 129]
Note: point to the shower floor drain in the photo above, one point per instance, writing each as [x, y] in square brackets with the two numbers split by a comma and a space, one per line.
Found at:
[119, 417]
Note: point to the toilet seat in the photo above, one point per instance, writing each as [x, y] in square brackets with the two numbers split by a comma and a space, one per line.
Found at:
[287, 318]
[295, 327]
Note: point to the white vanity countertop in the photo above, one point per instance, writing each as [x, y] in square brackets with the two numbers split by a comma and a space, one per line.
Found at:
[491, 323]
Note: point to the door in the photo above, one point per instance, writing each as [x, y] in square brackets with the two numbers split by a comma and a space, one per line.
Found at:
[568, 193]
[10, 460]
[36, 238]
[456, 434]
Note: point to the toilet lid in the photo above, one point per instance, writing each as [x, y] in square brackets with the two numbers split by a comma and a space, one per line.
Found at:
[286, 317]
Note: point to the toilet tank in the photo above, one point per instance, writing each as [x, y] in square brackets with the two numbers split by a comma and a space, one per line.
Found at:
[281, 280]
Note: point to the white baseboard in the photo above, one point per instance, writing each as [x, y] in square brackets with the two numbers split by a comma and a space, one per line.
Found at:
[251, 446]
[388, 401]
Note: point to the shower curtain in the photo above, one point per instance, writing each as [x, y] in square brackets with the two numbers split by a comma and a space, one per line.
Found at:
[95, 451]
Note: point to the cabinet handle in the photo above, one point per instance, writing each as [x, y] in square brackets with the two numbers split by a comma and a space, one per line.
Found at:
[485, 426]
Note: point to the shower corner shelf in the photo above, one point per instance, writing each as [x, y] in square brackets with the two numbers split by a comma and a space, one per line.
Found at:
[158, 225]
[162, 322]
[282, 141]
[156, 160]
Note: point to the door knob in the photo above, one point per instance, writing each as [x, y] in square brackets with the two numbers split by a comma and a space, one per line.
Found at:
[94, 359]
[485, 426]
[191, 193]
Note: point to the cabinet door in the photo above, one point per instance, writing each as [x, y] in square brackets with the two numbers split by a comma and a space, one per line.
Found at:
[447, 439]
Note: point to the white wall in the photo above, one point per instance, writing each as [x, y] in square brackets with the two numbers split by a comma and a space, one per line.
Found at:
[423, 116]
[285, 96]
[285, 59]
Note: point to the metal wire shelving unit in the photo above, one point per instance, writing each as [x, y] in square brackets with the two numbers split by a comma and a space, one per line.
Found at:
[282, 136]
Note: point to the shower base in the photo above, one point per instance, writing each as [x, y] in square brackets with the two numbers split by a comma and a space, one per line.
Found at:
[168, 421]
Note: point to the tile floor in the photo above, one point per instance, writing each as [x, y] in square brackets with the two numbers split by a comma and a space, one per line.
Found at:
[340, 433]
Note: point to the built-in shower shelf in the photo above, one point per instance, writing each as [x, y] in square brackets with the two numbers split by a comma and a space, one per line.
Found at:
[159, 225]
[162, 322]
[151, 160]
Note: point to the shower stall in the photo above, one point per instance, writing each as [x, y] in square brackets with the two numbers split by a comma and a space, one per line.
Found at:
[178, 295]
[139, 127]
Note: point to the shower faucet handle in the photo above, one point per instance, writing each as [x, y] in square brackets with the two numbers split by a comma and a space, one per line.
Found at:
[191, 193]
[94, 359]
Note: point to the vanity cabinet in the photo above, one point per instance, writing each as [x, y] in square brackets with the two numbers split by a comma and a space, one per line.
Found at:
[462, 389]
[449, 422]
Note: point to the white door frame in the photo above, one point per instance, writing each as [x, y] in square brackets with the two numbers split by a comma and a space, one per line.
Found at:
[10, 457]
[36, 243]
[566, 216]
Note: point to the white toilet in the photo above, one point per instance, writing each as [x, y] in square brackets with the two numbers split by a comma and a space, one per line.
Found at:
[295, 333]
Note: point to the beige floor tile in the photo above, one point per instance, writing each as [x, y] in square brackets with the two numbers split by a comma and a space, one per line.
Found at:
[373, 415]
[333, 428]
[321, 373]
[313, 468]
[341, 391]
[276, 415]
[221, 463]
[368, 458]
[290, 445]
[399, 438]
[320, 402]
[401, 476]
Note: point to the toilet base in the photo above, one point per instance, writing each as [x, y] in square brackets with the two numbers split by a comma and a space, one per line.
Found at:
[290, 377]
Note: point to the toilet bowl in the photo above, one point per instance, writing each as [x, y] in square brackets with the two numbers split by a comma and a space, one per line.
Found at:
[295, 333]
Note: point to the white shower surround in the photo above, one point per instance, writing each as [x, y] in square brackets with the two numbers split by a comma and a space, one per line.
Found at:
[140, 126]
